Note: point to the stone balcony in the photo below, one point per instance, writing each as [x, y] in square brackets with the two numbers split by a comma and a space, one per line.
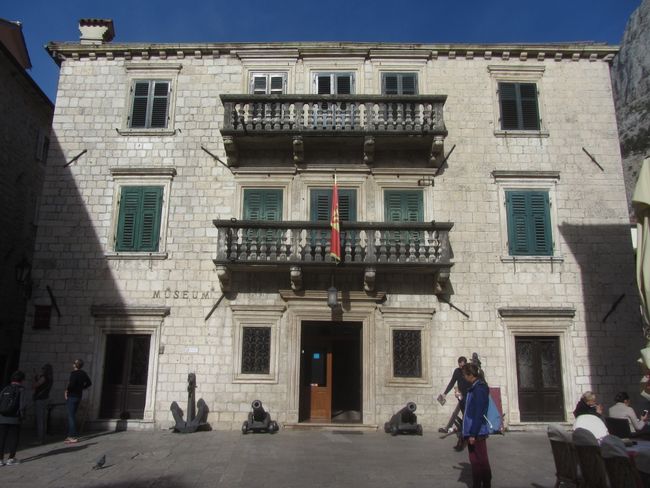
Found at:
[306, 126]
[298, 247]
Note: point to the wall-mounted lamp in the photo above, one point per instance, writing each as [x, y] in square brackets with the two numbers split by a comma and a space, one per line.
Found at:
[23, 270]
[332, 298]
[23, 276]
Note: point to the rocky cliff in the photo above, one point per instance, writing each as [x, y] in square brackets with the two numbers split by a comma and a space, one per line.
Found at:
[631, 82]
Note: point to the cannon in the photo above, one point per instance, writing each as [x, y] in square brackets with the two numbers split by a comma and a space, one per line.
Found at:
[259, 420]
[404, 422]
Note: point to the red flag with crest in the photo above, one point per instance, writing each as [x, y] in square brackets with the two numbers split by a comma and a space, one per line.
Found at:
[335, 240]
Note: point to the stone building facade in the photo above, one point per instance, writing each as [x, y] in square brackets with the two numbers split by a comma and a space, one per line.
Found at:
[185, 228]
[25, 120]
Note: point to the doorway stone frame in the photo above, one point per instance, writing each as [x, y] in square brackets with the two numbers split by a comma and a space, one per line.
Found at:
[555, 322]
[312, 306]
[127, 320]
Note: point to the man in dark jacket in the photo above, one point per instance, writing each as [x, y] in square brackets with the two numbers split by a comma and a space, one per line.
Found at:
[78, 382]
[10, 423]
[475, 429]
[462, 385]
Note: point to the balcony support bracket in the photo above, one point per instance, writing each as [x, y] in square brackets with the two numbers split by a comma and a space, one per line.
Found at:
[441, 284]
[369, 150]
[224, 275]
[296, 278]
[298, 150]
[437, 151]
[231, 150]
[369, 276]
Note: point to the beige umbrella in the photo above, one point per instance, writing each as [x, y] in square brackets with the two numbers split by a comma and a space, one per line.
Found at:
[641, 202]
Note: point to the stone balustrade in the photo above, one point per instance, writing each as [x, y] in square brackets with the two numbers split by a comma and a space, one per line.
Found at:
[299, 114]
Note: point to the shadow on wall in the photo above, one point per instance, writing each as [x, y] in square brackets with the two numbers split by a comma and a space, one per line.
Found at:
[614, 333]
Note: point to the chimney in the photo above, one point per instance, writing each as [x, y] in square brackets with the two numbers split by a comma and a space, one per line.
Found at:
[96, 31]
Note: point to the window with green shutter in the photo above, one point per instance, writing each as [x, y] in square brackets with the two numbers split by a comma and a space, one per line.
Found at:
[529, 223]
[519, 108]
[263, 204]
[321, 205]
[149, 104]
[138, 228]
[399, 83]
[404, 206]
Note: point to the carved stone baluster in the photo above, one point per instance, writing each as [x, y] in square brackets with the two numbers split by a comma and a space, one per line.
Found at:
[298, 116]
[426, 117]
[383, 252]
[308, 249]
[310, 121]
[356, 119]
[318, 247]
[358, 250]
[283, 237]
[369, 122]
[347, 236]
[436, 245]
[408, 116]
[414, 244]
[399, 110]
[393, 246]
[417, 116]
[423, 248]
[276, 110]
[273, 248]
[252, 248]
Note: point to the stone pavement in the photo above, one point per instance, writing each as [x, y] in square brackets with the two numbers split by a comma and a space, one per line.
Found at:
[288, 459]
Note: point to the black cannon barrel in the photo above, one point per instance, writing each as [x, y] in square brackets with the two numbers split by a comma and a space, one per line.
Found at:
[258, 411]
[407, 414]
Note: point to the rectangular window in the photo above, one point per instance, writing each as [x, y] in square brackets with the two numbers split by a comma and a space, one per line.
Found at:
[399, 83]
[149, 104]
[407, 353]
[262, 204]
[42, 315]
[529, 223]
[321, 205]
[403, 206]
[256, 350]
[518, 104]
[138, 228]
[268, 83]
[334, 83]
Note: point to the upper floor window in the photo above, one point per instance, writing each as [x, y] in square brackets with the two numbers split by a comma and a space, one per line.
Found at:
[149, 104]
[321, 205]
[268, 83]
[403, 206]
[399, 83]
[518, 106]
[262, 204]
[138, 226]
[529, 223]
[334, 83]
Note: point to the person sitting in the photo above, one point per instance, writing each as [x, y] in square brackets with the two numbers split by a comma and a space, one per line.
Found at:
[622, 410]
[588, 405]
[588, 415]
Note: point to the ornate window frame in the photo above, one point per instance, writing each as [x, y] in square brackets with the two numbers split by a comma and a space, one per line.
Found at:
[256, 316]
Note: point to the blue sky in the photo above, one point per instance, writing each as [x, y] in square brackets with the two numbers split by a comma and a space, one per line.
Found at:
[428, 21]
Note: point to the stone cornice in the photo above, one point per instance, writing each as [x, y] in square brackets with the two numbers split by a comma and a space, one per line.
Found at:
[536, 312]
[61, 51]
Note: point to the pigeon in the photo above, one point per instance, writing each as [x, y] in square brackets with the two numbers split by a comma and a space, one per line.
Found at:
[99, 464]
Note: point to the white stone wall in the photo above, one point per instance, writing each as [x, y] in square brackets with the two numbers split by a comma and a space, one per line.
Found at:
[74, 245]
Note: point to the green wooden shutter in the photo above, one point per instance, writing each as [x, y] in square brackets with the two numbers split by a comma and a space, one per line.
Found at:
[159, 104]
[263, 204]
[138, 227]
[519, 109]
[140, 94]
[529, 226]
[403, 206]
[321, 205]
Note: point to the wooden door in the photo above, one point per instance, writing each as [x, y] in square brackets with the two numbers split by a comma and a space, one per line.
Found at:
[320, 384]
[539, 379]
[126, 368]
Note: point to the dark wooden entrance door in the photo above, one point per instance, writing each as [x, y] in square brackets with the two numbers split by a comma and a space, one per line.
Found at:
[330, 372]
[126, 368]
[539, 379]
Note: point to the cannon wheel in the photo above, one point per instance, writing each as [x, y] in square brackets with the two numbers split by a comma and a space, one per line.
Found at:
[273, 427]
[394, 430]
[387, 427]
[418, 430]
[244, 427]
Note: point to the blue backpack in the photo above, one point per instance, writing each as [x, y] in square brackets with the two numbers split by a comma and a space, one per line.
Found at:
[493, 418]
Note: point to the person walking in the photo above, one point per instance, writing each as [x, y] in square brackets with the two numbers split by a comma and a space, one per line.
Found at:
[461, 386]
[77, 383]
[12, 411]
[475, 428]
[41, 396]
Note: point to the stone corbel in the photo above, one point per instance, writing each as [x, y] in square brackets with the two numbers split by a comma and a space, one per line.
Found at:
[437, 151]
[440, 282]
[369, 276]
[231, 150]
[296, 278]
[369, 150]
[224, 275]
[298, 149]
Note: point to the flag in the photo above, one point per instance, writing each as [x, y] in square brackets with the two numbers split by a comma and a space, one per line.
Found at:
[335, 238]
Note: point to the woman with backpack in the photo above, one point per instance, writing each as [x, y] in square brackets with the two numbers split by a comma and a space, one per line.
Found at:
[12, 410]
